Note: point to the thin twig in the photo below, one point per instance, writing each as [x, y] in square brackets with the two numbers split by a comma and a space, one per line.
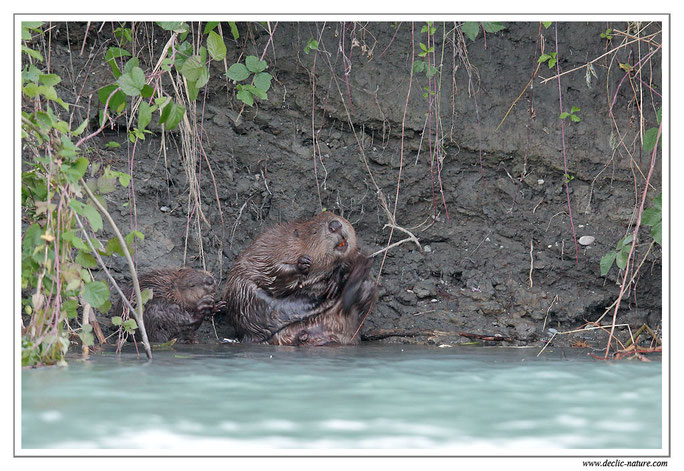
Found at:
[139, 313]
[590, 62]
[634, 237]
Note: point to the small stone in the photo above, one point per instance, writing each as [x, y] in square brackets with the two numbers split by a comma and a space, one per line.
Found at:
[424, 290]
[586, 240]
[540, 181]
[427, 249]
[165, 209]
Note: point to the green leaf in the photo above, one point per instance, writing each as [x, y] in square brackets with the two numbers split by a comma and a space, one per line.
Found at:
[657, 233]
[93, 216]
[651, 217]
[203, 77]
[77, 242]
[650, 139]
[262, 81]
[311, 44]
[238, 72]
[564, 115]
[146, 295]
[96, 293]
[493, 27]
[246, 97]
[255, 91]
[76, 170]
[113, 246]
[70, 306]
[216, 46]
[50, 79]
[31, 90]
[129, 240]
[112, 54]
[175, 26]
[191, 68]
[210, 26]
[624, 241]
[183, 51]
[85, 260]
[32, 25]
[234, 30]
[575, 118]
[607, 262]
[130, 325]
[79, 130]
[146, 91]
[112, 144]
[117, 320]
[131, 64]
[35, 54]
[31, 74]
[171, 115]
[574, 109]
[124, 179]
[133, 82]
[144, 115]
[253, 64]
[43, 120]
[418, 66]
[622, 256]
[117, 102]
[659, 115]
[543, 58]
[471, 29]
[116, 53]
[50, 93]
[547, 24]
[86, 336]
[658, 201]
[106, 184]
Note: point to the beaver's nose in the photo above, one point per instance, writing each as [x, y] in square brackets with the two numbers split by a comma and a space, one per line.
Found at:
[335, 225]
[209, 281]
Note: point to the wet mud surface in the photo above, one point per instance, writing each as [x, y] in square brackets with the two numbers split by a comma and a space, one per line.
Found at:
[497, 254]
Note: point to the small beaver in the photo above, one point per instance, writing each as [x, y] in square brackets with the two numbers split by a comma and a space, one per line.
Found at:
[181, 298]
[301, 283]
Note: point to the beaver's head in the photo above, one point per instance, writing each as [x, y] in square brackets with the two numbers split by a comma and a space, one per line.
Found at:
[192, 285]
[328, 238]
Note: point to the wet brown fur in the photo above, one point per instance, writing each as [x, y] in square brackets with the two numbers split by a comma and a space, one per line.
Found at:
[301, 283]
[181, 298]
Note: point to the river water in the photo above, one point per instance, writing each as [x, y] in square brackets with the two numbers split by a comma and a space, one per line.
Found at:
[247, 400]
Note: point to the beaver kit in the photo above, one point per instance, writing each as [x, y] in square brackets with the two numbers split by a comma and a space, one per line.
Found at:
[181, 299]
[301, 283]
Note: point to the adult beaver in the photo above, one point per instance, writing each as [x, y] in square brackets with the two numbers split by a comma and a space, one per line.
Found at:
[301, 283]
[181, 298]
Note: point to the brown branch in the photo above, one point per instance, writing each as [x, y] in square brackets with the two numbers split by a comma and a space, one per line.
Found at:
[489, 338]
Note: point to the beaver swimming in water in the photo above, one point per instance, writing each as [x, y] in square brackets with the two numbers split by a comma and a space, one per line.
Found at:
[181, 298]
[301, 283]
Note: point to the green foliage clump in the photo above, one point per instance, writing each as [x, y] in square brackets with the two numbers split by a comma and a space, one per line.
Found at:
[472, 28]
[259, 84]
[572, 115]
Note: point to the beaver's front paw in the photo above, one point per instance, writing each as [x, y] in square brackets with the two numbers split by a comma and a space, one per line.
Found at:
[206, 306]
[304, 264]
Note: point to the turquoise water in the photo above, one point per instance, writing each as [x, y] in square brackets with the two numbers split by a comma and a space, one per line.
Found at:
[245, 399]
